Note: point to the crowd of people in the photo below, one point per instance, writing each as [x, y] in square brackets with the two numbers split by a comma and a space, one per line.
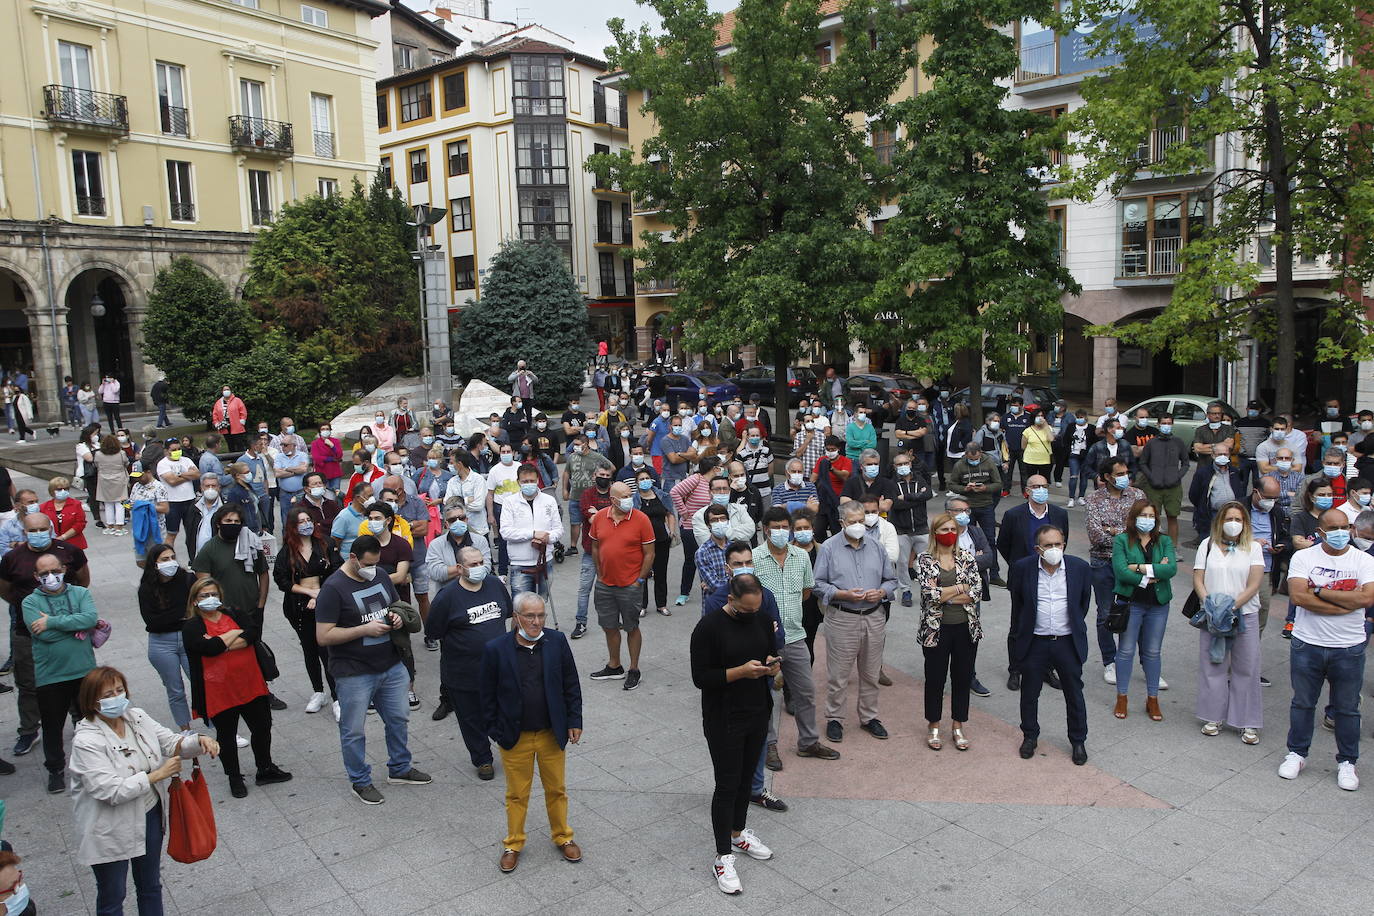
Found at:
[411, 529]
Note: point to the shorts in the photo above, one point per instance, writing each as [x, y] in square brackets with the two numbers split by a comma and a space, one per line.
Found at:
[617, 607]
[176, 511]
[574, 512]
[1170, 499]
[419, 578]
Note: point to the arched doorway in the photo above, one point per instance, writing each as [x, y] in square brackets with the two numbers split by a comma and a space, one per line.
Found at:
[16, 347]
[98, 330]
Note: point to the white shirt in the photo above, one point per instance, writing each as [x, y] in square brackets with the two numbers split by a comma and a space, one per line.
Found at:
[1345, 572]
[521, 518]
[177, 492]
[1052, 602]
[887, 536]
[473, 493]
[1227, 571]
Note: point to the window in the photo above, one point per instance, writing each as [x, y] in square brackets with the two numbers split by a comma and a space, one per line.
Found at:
[883, 139]
[171, 100]
[251, 4]
[405, 57]
[1056, 152]
[383, 110]
[606, 263]
[419, 165]
[259, 197]
[179, 196]
[544, 214]
[323, 124]
[541, 155]
[1155, 229]
[455, 91]
[464, 273]
[1060, 216]
[460, 211]
[74, 62]
[416, 102]
[251, 99]
[313, 15]
[628, 267]
[90, 188]
[879, 227]
[605, 231]
[327, 187]
[385, 171]
[537, 84]
[1036, 45]
[825, 53]
[457, 157]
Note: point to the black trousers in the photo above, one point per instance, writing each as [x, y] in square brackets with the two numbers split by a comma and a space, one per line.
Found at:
[111, 414]
[257, 714]
[952, 657]
[467, 708]
[811, 623]
[316, 655]
[689, 561]
[56, 704]
[660, 574]
[735, 750]
[1059, 654]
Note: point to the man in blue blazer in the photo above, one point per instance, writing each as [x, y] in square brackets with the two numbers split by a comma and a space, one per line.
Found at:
[1016, 539]
[1050, 597]
[532, 705]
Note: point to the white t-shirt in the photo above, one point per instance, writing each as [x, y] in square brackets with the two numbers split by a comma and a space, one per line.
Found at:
[177, 492]
[502, 481]
[1346, 572]
[1229, 570]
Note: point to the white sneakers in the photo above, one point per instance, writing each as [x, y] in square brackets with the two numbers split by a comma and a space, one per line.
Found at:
[1109, 673]
[240, 741]
[750, 845]
[1346, 777]
[316, 702]
[1293, 765]
[1070, 502]
[727, 879]
[338, 713]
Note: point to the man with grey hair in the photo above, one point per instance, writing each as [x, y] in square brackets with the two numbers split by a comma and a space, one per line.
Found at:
[868, 480]
[854, 576]
[1332, 470]
[796, 492]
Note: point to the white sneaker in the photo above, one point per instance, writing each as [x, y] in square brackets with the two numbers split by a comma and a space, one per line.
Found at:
[1211, 729]
[1163, 684]
[1346, 777]
[338, 713]
[727, 879]
[240, 741]
[1293, 765]
[1059, 484]
[753, 847]
[1070, 502]
[316, 702]
[1109, 673]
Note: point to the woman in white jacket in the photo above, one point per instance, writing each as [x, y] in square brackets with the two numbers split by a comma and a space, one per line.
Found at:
[120, 762]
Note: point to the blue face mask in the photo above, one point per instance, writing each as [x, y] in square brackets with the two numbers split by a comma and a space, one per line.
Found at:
[646, 484]
[427, 440]
[1331, 470]
[114, 707]
[18, 901]
[1040, 495]
[804, 536]
[1122, 482]
[1323, 502]
[1144, 524]
[720, 499]
[973, 460]
[431, 462]
[1338, 539]
[528, 638]
[477, 573]
[870, 471]
[507, 459]
[779, 537]
[963, 519]
[38, 539]
[528, 490]
[741, 570]
[458, 527]
[754, 440]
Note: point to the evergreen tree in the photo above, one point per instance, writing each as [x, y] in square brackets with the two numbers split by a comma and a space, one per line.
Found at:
[530, 309]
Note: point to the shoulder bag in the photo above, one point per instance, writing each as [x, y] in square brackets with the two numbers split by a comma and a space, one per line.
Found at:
[191, 833]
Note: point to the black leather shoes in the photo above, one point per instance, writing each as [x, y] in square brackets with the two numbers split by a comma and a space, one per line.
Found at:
[1027, 748]
[1052, 678]
[1080, 754]
[1014, 681]
[834, 732]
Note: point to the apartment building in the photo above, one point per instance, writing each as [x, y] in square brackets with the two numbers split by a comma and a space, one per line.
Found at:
[498, 136]
[134, 132]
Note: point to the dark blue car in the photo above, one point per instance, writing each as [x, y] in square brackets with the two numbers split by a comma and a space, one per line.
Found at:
[687, 386]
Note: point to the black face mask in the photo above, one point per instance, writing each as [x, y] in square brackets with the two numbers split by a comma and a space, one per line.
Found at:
[602, 485]
[229, 531]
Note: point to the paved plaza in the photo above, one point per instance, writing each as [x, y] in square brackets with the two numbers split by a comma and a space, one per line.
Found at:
[1161, 820]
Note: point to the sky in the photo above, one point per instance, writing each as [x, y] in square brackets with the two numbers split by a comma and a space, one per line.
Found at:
[584, 21]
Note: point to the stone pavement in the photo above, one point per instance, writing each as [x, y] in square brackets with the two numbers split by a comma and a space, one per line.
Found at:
[1162, 820]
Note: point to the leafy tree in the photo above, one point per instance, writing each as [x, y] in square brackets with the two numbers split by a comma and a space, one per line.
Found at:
[275, 380]
[1278, 94]
[972, 258]
[530, 309]
[193, 329]
[760, 166]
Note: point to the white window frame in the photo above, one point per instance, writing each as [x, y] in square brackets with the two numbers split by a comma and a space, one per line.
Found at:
[259, 193]
[327, 187]
[76, 71]
[322, 122]
[180, 189]
[313, 15]
[81, 172]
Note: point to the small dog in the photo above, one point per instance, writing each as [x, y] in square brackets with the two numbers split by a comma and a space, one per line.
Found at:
[53, 431]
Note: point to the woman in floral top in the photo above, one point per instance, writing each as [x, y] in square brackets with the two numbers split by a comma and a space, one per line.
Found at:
[949, 629]
[148, 489]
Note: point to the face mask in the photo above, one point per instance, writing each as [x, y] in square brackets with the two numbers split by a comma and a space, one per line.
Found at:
[1333, 411]
[870, 519]
[1144, 422]
[754, 440]
[123, 440]
[738, 483]
[229, 531]
[1144, 524]
[855, 531]
[528, 638]
[602, 483]
[379, 421]
[870, 471]
[372, 446]
[541, 425]
[1040, 495]
[627, 504]
[1118, 433]
[947, 538]
[684, 412]
[325, 433]
[719, 529]
[175, 454]
[1053, 555]
[1323, 502]
[210, 494]
[1039, 421]
[528, 490]
[1339, 445]
[779, 537]
[1221, 460]
[624, 434]
[794, 479]
[861, 419]
[1367, 425]
[720, 499]
[113, 707]
[209, 603]
[168, 567]
[1363, 499]
[60, 495]
[367, 572]
[517, 406]
[832, 454]
[1014, 409]
[903, 470]
[317, 492]
[1251, 413]
[1081, 421]
[31, 508]
[476, 574]
[1166, 429]
[431, 462]
[1362, 543]
[921, 408]
[1331, 470]
[264, 432]
[637, 460]
[1338, 539]
[972, 459]
[225, 392]
[1266, 504]
[427, 440]
[944, 394]
[450, 430]
[804, 535]
[1122, 482]
[816, 411]
[458, 527]
[50, 582]
[38, 539]
[962, 519]
[645, 485]
[1232, 529]
[1111, 411]
[741, 570]
[994, 425]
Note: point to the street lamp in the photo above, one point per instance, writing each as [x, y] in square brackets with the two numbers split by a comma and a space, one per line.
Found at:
[97, 306]
[424, 217]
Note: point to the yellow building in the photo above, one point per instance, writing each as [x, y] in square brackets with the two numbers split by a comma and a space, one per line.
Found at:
[133, 131]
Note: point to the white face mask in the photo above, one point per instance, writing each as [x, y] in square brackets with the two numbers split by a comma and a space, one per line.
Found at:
[794, 479]
[1232, 529]
[168, 567]
[367, 572]
[1053, 555]
[855, 531]
[870, 519]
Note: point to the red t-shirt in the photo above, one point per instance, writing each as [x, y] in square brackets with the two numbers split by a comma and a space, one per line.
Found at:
[231, 678]
[592, 499]
[622, 545]
[837, 464]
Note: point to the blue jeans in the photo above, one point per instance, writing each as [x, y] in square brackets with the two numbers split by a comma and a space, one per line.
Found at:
[162, 416]
[586, 578]
[1309, 666]
[1080, 475]
[1146, 629]
[1103, 583]
[284, 505]
[521, 581]
[167, 655]
[112, 878]
[388, 691]
[548, 468]
[265, 512]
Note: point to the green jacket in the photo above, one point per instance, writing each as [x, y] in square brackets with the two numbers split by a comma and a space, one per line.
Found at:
[1126, 551]
[57, 654]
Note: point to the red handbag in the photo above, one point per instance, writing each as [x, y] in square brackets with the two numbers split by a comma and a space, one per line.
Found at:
[191, 834]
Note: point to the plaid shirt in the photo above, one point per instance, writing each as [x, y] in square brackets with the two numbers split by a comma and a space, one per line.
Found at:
[786, 582]
[1289, 488]
[711, 565]
[813, 452]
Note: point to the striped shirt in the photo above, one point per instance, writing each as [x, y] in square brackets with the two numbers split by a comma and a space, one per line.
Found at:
[688, 496]
[786, 582]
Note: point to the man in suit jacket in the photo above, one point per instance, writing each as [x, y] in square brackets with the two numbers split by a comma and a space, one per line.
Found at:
[1016, 539]
[1050, 597]
[532, 703]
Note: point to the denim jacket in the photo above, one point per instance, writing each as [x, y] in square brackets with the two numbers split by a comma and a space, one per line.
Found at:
[1218, 616]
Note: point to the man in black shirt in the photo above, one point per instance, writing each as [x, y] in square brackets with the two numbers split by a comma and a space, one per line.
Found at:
[867, 480]
[516, 421]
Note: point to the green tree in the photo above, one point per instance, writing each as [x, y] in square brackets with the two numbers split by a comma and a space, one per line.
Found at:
[530, 309]
[275, 381]
[972, 259]
[1277, 102]
[193, 329]
[760, 166]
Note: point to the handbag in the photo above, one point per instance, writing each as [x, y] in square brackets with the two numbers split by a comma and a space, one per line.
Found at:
[267, 661]
[100, 633]
[1191, 606]
[191, 833]
[1119, 614]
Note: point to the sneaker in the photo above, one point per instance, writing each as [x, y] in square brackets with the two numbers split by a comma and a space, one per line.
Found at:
[608, 674]
[753, 847]
[338, 712]
[834, 731]
[276, 702]
[371, 709]
[316, 702]
[1164, 685]
[1287, 630]
[727, 879]
[24, 744]
[665, 612]
[772, 760]
[240, 741]
[486, 772]
[681, 600]
[631, 679]
[768, 800]
[978, 688]
[6, 768]
[819, 751]
[57, 785]
[579, 631]
[1109, 673]
[1059, 484]
[411, 777]
[874, 728]
[272, 774]
[1292, 765]
[1265, 682]
[1328, 723]
[368, 794]
[412, 699]
[643, 612]
[432, 645]
[1346, 778]
[1070, 502]
[1211, 729]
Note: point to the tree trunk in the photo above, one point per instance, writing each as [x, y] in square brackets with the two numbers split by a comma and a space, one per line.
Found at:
[781, 426]
[975, 386]
[1285, 308]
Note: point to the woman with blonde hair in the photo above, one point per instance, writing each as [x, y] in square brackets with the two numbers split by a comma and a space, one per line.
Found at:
[949, 630]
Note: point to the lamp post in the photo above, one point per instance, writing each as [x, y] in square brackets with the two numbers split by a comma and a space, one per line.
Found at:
[97, 306]
[429, 263]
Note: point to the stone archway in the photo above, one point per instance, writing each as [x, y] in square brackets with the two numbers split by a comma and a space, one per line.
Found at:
[100, 301]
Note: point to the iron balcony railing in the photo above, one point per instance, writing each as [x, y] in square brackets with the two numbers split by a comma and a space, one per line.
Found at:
[184, 212]
[1156, 258]
[324, 144]
[1037, 61]
[176, 122]
[273, 138]
[86, 108]
[90, 206]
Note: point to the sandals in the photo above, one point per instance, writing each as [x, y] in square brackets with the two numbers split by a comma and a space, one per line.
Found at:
[960, 742]
[1120, 710]
[1152, 709]
[1249, 736]
[933, 742]
[1211, 729]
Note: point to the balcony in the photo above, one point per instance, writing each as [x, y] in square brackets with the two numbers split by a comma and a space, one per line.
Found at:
[261, 136]
[90, 206]
[85, 110]
[176, 122]
[1157, 144]
[666, 286]
[324, 144]
[1156, 258]
[616, 233]
[606, 185]
[614, 115]
[610, 290]
[1037, 61]
[184, 212]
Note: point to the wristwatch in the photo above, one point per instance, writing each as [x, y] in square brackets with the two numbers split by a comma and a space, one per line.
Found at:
[1317, 592]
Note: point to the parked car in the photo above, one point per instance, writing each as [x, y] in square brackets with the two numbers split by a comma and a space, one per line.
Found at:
[1189, 411]
[878, 387]
[759, 380]
[1034, 395]
[686, 386]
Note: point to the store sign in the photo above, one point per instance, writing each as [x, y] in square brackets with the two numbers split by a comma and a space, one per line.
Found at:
[1075, 49]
